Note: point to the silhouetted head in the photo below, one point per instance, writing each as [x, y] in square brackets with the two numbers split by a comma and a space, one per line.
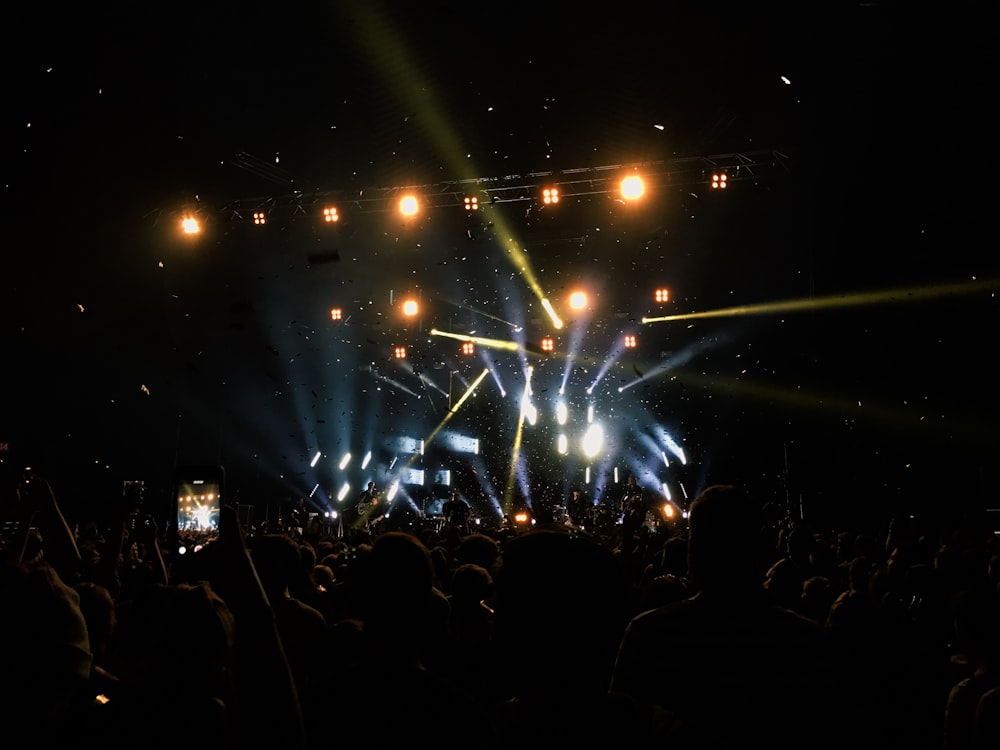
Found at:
[723, 543]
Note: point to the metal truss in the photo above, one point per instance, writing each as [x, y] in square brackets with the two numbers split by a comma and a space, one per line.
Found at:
[571, 183]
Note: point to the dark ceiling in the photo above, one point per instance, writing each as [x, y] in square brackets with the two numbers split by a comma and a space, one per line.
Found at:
[133, 349]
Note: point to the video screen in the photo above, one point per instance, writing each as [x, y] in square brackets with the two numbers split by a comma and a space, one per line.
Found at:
[198, 505]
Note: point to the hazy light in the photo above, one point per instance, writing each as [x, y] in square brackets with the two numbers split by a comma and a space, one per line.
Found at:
[408, 206]
[562, 445]
[346, 459]
[593, 440]
[578, 300]
[393, 489]
[666, 462]
[344, 489]
[552, 313]
[366, 460]
[632, 187]
[410, 307]
[190, 225]
[562, 412]
[666, 491]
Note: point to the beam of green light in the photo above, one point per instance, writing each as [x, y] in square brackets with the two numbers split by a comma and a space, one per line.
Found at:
[393, 60]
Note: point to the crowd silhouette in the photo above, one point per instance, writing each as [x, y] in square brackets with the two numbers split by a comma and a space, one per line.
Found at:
[726, 629]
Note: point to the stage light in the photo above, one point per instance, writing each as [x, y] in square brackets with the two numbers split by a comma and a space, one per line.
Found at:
[409, 206]
[410, 308]
[315, 459]
[259, 218]
[562, 445]
[550, 195]
[632, 187]
[629, 341]
[668, 511]
[471, 203]
[330, 215]
[344, 489]
[367, 460]
[548, 344]
[547, 306]
[468, 347]
[578, 300]
[662, 295]
[719, 181]
[344, 460]
[400, 352]
[593, 440]
[190, 225]
[336, 313]
[562, 412]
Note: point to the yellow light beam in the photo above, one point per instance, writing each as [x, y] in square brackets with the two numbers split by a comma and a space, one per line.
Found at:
[479, 340]
[508, 492]
[468, 392]
[831, 302]
[391, 58]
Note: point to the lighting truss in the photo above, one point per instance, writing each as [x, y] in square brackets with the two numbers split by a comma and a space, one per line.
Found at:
[572, 183]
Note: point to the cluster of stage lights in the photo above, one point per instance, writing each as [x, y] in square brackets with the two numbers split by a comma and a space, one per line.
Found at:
[577, 300]
[631, 188]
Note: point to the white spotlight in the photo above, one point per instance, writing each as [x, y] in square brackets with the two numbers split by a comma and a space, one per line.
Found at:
[344, 461]
[344, 489]
[563, 445]
[315, 459]
[562, 412]
[593, 440]
[367, 459]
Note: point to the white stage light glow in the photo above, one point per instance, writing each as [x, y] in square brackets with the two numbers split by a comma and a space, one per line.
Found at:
[593, 440]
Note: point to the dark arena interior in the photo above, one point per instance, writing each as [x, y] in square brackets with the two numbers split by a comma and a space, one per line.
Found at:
[800, 299]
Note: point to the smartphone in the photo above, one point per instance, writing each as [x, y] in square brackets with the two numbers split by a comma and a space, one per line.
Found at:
[199, 492]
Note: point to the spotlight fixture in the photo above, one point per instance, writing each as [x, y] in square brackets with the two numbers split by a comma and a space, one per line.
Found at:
[259, 218]
[330, 215]
[578, 300]
[662, 295]
[468, 347]
[471, 203]
[410, 308]
[190, 225]
[409, 206]
[632, 187]
[548, 344]
[550, 195]
[629, 341]
[400, 352]
[336, 313]
[719, 181]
